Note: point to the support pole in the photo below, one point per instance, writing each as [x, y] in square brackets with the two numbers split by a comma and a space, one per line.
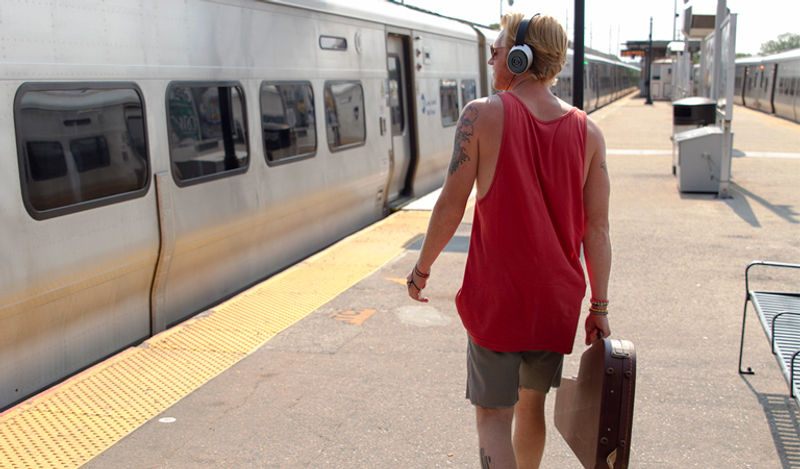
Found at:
[716, 81]
[577, 57]
[649, 99]
[718, 93]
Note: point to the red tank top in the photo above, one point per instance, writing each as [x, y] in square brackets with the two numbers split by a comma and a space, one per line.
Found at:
[524, 283]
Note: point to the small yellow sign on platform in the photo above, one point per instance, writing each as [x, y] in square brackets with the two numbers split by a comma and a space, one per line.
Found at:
[356, 317]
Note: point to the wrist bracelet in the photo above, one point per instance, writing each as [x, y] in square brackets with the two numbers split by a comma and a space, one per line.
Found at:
[595, 302]
[419, 273]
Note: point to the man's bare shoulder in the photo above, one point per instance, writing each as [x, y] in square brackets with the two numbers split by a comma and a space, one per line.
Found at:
[593, 132]
[565, 106]
[487, 104]
[486, 112]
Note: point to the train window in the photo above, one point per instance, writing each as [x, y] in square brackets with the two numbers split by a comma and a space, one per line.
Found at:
[207, 131]
[77, 148]
[396, 95]
[448, 96]
[344, 114]
[468, 91]
[288, 122]
[332, 43]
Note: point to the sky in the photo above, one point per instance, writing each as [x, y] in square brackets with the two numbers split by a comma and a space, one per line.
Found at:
[612, 22]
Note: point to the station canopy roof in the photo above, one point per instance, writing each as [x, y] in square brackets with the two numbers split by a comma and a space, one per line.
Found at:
[660, 48]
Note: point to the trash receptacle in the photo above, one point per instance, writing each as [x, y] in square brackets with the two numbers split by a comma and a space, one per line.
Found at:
[688, 114]
[699, 160]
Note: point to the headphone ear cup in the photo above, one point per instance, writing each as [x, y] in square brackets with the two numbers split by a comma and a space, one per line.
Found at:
[520, 59]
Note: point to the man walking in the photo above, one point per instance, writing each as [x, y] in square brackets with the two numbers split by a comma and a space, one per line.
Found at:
[539, 168]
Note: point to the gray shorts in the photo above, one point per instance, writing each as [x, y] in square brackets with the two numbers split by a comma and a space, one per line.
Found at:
[493, 378]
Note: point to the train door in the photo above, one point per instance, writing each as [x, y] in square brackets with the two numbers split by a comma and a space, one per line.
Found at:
[402, 118]
[795, 93]
[759, 86]
[743, 89]
[753, 75]
[773, 79]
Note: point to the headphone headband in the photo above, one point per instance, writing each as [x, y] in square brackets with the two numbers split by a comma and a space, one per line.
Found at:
[522, 30]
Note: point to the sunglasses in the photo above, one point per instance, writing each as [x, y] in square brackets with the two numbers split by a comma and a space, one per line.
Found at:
[494, 50]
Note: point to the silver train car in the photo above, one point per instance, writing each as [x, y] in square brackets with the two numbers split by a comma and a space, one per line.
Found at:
[163, 155]
[770, 84]
[604, 80]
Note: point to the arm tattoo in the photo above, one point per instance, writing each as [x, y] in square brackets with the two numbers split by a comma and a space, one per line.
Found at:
[465, 130]
[603, 166]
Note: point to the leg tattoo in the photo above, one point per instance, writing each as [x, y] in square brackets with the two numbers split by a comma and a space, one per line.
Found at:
[485, 460]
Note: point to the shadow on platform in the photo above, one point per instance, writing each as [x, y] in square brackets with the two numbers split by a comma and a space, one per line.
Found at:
[739, 202]
[456, 244]
[783, 416]
[741, 207]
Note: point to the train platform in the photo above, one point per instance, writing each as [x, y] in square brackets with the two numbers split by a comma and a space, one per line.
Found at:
[329, 364]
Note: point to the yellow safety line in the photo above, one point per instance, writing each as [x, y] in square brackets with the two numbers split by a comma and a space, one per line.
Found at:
[78, 419]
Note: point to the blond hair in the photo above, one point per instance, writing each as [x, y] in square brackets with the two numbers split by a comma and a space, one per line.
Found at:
[546, 37]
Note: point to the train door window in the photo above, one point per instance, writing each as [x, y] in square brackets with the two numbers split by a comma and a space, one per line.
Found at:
[448, 96]
[396, 95]
[207, 131]
[344, 114]
[77, 148]
[288, 122]
[469, 91]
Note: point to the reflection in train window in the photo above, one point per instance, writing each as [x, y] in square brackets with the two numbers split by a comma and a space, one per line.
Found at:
[448, 96]
[207, 131]
[468, 91]
[76, 148]
[396, 95]
[90, 153]
[288, 121]
[344, 114]
[46, 160]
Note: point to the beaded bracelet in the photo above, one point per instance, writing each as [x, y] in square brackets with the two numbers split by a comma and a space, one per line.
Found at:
[599, 307]
[596, 302]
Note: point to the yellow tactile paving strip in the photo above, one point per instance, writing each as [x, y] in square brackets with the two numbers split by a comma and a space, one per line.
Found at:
[75, 421]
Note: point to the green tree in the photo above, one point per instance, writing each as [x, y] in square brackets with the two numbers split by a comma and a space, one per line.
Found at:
[785, 41]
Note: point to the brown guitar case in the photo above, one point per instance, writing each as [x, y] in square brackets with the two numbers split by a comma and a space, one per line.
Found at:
[594, 411]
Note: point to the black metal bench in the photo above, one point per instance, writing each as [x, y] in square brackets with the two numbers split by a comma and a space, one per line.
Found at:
[779, 313]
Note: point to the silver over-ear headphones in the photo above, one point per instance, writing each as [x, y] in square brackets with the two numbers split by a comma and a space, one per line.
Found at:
[520, 57]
